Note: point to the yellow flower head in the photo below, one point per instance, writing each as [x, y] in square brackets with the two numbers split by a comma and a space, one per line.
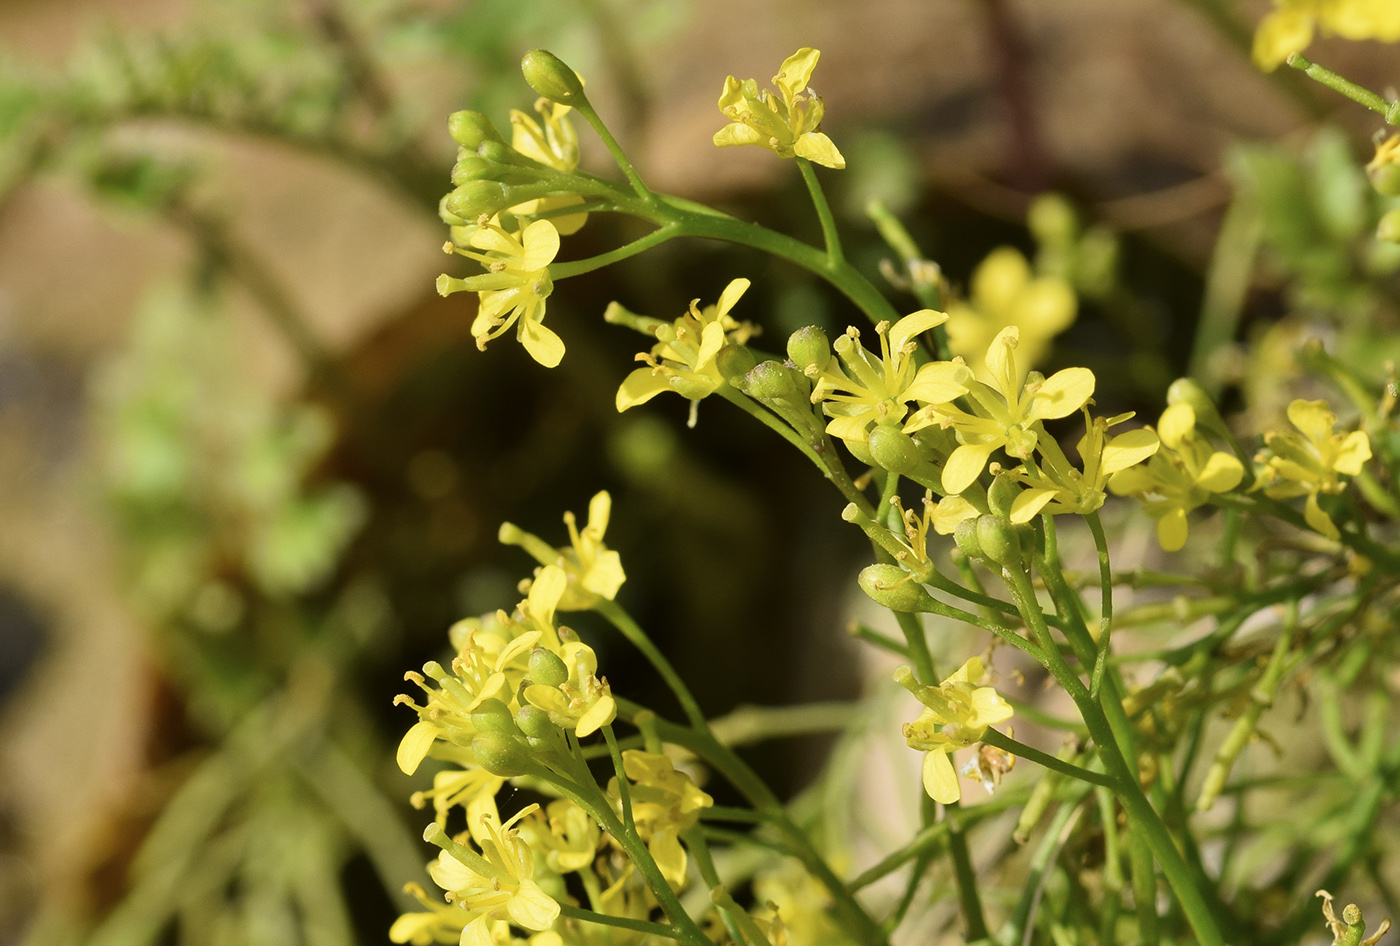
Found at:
[683, 360]
[956, 714]
[665, 803]
[1005, 293]
[877, 388]
[789, 126]
[1289, 27]
[1057, 487]
[1179, 478]
[1006, 413]
[1308, 463]
[553, 144]
[593, 570]
[515, 287]
[568, 838]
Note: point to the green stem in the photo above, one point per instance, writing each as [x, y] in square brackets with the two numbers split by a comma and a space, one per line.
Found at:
[621, 620]
[918, 647]
[835, 257]
[966, 877]
[1390, 111]
[1105, 605]
[624, 790]
[585, 108]
[694, 838]
[656, 237]
[621, 922]
[1019, 749]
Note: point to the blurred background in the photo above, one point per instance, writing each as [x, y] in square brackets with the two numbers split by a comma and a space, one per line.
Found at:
[252, 467]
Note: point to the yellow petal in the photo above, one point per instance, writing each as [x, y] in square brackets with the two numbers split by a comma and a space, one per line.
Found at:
[1046, 308]
[796, 70]
[819, 149]
[949, 512]
[544, 345]
[413, 928]
[1128, 449]
[477, 932]
[998, 281]
[940, 781]
[541, 242]
[970, 672]
[545, 592]
[606, 576]
[737, 133]
[1280, 33]
[1355, 451]
[597, 716]
[915, 323]
[989, 707]
[1063, 393]
[711, 341]
[1221, 473]
[639, 387]
[938, 382]
[850, 429]
[532, 908]
[965, 465]
[414, 746]
[733, 94]
[1029, 504]
[1318, 519]
[1313, 418]
[731, 294]
[1130, 481]
[666, 850]
[999, 357]
[1172, 530]
[1178, 422]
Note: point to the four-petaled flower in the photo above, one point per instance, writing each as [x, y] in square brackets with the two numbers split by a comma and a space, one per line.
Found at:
[788, 127]
[513, 290]
[1057, 487]
[1308, 464]
[594, 571]
[956, 714]
[1180, 478]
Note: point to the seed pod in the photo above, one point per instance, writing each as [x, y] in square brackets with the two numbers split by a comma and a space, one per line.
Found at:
[547, 668]
[892, 587]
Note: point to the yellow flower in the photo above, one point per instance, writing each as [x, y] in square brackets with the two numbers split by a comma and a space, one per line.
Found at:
[1006, 413]
[1289, 27]
[1308, 464]
[440, 923]
[582, 701]
[555, 145]
[876, 388]
[956, 714]
[568, 839]
[1057, 487]
[495, 884]
[788, 127]
[1180, 478]
[1004, 293]
[594, 571]
[514, 289]
[683, 360]
[664, 804]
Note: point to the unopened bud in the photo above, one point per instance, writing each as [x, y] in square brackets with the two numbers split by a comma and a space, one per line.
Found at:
[965, 535]
[547, 74]
[1052, 219]
[1001, 495]
[998, 540]
[1188, 391]
[809, 348]
[1389, 228]
[546, 668]
[734, 361]
[1386, 179]
[768, 381]
[471, 168]
[474, 198]
[892, 587]
[499, 756]
[469, 129]
[893, 449]
[535, 722]
[493, 716]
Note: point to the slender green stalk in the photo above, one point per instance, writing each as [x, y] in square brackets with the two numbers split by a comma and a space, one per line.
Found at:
[1105, 605]
[1019, 749]
[966, 877]
[1359, 94]
[656, 237]
[699, 846]
[585, 108]
[917, 640]
[835, 257]
[624, 790]
[621, 922]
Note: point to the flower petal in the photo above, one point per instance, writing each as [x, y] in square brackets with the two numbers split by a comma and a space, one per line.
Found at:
[915, 323]
[1222, 473]
[414, 746]
[965, 465]
[1172, 529]
[940, 781]
[819, 149]
[532, 908]
[1355, 451]
[1128, 449]
[1063, 393]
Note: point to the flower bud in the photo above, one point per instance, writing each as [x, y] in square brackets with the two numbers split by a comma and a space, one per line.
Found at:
[965, 535]
[1051, 219]
[535, 722]
[892, 587]
[1001, 495]
[493, 716]
[1389, 228]
[734, 361]
[469, 129]
[475, 198]
[1188, 391]
[1386, 179]
[809, 347]
[547, 74]
[999, 540]
[499, 756]
[770, 380]
[471, 168]
[546, 668]
[893, 449]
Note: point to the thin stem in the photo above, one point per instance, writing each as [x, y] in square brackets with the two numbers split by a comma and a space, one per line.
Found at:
[621, 620]
[966, 877]
[585, 108]
[624, 790]
[656, 237]
[1005, 743]
[918, 648]
[1105, 604]
[834, 254]
[1390, 111]
[621, 922]
[694, 837]
[748, 724]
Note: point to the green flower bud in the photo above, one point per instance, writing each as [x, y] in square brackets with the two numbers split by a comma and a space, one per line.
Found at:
[965, 535]
[1052, 220]
[499, 756]
[1001, 495]
[892, 587]
[493, 716]
[546, 668]
[547, 74]
[1386, 179]
[768, 381]
[498, 152]
[469, 129]
[999, 540]
[475, 198]
[734, 361]
[472, 168]
[893, 449]
[1389, 229]
[1188, 391]
[809, 347]
[535, 722]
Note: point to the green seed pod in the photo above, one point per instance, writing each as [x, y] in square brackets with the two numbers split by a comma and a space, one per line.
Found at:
[535, 722]
[769, 380]
[1389, 229]
[965, 535]
[1001, 495]
[475, 198]
[734, 361]
[809, 347]
[1386, 179]
[893, 449]
[547, 74]
[892, 587]
[469, 129]
[499, 756]
[999, 540]
[472, 168]
[493, 716]
[547, 668]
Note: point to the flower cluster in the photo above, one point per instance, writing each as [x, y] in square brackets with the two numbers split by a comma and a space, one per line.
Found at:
[1311, 460]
